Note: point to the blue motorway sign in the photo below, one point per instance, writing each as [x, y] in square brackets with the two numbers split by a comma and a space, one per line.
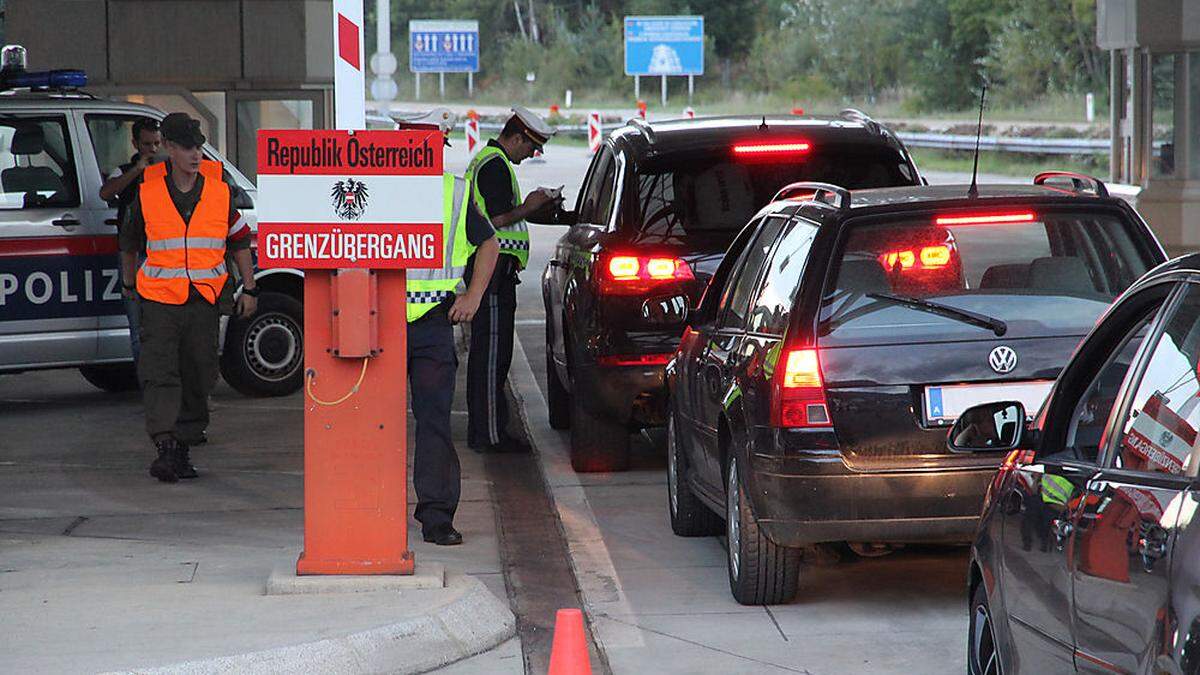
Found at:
[664, 45]
[443, 46]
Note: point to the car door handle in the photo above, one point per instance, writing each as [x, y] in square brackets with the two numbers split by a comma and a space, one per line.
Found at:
[1061, 529]
[66, 221]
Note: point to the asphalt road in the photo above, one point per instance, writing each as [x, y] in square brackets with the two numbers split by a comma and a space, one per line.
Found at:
[660, 603]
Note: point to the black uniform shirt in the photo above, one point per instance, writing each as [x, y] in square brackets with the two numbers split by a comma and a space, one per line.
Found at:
[495, 184]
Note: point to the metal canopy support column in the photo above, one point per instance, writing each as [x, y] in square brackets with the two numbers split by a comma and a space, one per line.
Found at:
[1116, 108]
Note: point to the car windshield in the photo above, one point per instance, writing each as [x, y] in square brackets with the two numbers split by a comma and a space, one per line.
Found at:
[713, 194]
[1041, 273]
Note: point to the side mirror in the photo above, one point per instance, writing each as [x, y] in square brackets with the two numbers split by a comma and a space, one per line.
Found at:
[667, 311]
[552, 214]
[989, 427]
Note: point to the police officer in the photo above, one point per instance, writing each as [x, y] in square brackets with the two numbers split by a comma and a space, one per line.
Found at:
[497, 195]
[437, 299]
[185, 220]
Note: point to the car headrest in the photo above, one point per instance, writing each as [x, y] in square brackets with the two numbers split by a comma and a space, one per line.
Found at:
[719, 197]
[1060, 273]
[29, 140]
[1005, 276]
[863, 276]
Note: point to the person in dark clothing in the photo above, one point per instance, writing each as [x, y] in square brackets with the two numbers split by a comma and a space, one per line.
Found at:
[121, 187]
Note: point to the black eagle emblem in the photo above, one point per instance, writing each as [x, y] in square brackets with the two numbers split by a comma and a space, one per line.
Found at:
[349, 198]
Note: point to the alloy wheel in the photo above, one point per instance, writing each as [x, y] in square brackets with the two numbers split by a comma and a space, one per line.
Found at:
[984, 655]
[733, 524]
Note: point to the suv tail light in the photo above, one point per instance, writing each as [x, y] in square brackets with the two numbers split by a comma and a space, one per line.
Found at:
[636, 274]
[799, 393]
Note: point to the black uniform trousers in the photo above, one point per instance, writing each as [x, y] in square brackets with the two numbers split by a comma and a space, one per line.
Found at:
[178, 365]
[432, 363]
[491, 356]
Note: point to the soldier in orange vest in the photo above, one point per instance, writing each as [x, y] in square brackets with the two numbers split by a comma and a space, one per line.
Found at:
[184, 214]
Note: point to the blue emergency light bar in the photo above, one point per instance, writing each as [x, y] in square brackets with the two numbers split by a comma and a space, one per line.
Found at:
[46, 79]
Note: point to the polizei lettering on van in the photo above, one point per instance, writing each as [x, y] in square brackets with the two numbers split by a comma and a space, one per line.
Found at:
[58, 287]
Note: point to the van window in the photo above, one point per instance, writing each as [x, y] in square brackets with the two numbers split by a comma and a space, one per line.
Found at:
[37, 165]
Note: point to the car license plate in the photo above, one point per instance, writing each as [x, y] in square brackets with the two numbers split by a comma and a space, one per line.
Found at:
[944, 403]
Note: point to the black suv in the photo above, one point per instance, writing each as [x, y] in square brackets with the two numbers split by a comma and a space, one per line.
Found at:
[1086, 557]
[660, 204]
[845, 331]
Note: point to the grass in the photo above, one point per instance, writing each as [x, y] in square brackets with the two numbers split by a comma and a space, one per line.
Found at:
[1007, 163]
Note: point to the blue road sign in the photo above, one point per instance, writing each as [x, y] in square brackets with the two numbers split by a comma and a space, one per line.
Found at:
[664, 45]
[443, 46]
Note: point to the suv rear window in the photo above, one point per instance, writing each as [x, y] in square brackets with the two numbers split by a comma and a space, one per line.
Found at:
[1043, 273]
[715, 193]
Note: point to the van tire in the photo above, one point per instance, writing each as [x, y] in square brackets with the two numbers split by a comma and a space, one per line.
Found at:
[112, 377]
[264, 354]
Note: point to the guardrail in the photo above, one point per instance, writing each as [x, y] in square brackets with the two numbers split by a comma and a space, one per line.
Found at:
[1015, 144]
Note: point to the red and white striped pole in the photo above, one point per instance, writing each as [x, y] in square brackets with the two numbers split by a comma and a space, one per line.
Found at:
[594, 131]
[471, 131]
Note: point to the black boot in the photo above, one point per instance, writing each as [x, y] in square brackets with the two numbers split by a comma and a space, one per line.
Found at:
[183, 462]
[163, 466]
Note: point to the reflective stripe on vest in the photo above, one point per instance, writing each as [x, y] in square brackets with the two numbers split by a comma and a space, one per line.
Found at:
[182, 255]
[428, 288]
[514, 237]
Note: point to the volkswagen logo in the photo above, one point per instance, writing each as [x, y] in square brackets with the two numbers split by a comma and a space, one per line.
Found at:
[1003, 359]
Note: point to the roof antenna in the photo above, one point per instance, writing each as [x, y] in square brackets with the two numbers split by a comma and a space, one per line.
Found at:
[973, 191]
[763, 126]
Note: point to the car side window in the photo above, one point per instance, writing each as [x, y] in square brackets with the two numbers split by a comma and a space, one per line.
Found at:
[608, 189]
[1090, 417]
[111, 136]
[1159, 433]
[774, 305]
[37, 163]
[706, 311]
[735, 305]
[602, 174]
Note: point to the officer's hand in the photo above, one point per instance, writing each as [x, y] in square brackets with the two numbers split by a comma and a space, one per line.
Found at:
[247, 305]
[537, 199]
[464, 308]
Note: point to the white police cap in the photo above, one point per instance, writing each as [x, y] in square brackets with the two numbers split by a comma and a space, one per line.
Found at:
[533, 125]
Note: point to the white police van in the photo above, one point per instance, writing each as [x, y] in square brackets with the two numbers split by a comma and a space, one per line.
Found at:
[60, 290]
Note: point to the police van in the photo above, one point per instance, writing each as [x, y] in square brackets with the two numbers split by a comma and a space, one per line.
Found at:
[60, 287]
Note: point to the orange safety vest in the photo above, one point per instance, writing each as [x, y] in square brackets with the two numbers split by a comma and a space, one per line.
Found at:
[180, 255]
[208, 168]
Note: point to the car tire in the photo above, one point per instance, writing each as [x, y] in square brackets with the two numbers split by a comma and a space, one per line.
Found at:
[689, 516]
[597, 444]
[558, 400]
[983, 654]
[760, 571]
[264, 354]
[111, 377]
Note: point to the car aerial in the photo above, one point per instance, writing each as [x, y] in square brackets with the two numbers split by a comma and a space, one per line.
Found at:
[60, 292]
[657, 210]
[846, 330]
[1085, 558]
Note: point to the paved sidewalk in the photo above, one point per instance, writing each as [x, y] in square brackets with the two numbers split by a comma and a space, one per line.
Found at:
[103, 568]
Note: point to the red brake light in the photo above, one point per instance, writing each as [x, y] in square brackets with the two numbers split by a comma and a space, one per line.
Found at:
[935, 256]
[771, 148]
[635, 359]
[800, 392]
[987, 218]
[930, 257]
[632, 275]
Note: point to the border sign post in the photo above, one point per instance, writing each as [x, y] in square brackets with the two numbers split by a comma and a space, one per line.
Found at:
[443, 47]
[664, 46]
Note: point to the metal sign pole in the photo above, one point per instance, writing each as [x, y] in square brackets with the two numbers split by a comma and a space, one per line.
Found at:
[637, 88]
[470, 85]
[442, 85]
[664, 91]
[417, 85]
[691, 87]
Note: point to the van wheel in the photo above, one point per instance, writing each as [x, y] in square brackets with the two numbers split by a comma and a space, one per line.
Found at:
[760, 571]
[558, 400]
[115, 377]
[597, 444]
[264, 355]
[689, 516]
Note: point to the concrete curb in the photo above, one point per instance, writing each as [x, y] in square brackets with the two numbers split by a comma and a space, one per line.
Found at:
[470, 622]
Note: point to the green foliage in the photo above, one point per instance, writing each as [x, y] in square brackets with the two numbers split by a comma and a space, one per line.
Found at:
[926, 55]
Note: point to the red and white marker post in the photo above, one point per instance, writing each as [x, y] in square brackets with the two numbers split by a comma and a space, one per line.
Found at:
[689, 113]
[471, 130]
[594, 131]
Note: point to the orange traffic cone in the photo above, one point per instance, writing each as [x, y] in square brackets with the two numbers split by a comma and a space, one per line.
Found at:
[569, 653]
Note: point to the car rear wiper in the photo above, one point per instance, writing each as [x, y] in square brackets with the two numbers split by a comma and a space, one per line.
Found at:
[982, 320]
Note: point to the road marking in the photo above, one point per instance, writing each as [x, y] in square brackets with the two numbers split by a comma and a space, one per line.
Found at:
[599, 584]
